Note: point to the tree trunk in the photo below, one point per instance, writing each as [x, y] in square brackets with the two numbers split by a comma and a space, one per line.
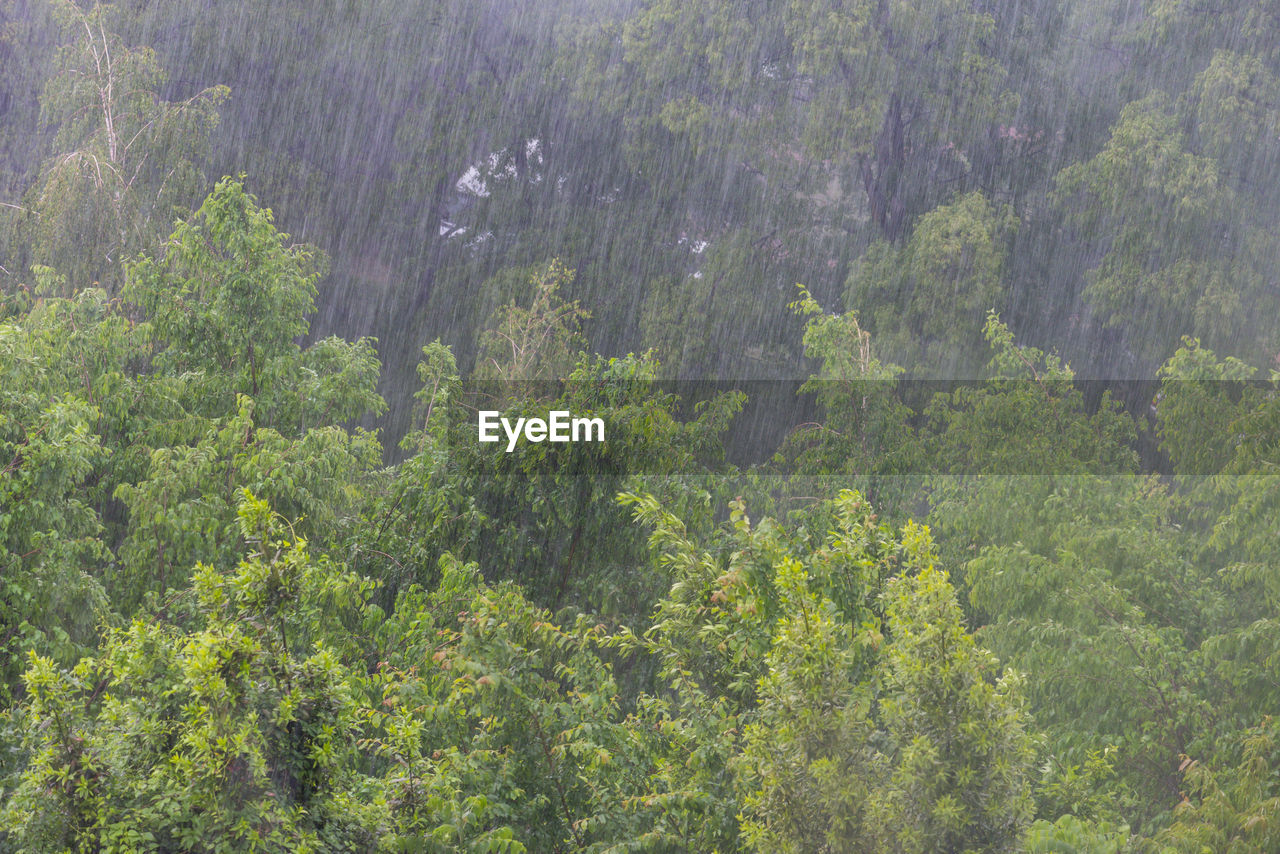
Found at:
[882, 171]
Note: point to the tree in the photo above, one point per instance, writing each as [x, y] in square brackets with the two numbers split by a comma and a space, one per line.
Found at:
[227, 299]
[1071, 835]
[905, 94]
[542, 514]
[50, 535]
[1027, 418]
[124, 159]
[959, 731]
[232, 728]
[892, 99]
[73, 416]
[1087, 585]
[247, 406]
[497, 728]
[1229, 809]
[534, 344]
[1199, 399]
[865, 427]
[926, 301]
[1183, 250]
[183, 508]
[773, 654]
[809, 760]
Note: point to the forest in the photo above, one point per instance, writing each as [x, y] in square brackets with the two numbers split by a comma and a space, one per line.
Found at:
[936, 346]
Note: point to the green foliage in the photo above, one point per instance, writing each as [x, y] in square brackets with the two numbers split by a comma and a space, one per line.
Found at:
[1028, 418]
[714, 626]
[1086, 792]
[49, 534]
[865, 427]
[674, 314]
[1233, 810]
[527, 345]
[1236, 99]
[1213, 421]
[65, 426]
[734, 287]
[501, 728]
[1199, 398]
[236, 732]
[1102, 173]
[961, 743]
[809, 757]
[1070, 835]
[926, 300]
[1243, 652]
[566, 521]
[846, 744]
[695, 63]
[123, 158]
[817, 99]
[542, 514]
[226, 301]
[1185, 252]
[888, 77]
[1085, 585]
[101, 454]
[422, 511]
[83, 347]
[183, 510]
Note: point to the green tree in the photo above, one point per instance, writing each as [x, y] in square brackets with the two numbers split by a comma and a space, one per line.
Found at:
[1199, 398]
[542, 514]
[226, 301]
[124, 159]
[772, 649]
[877, 100]
[865, 426]
[234, 731]
[1232, 810]
[537, 343]
[959, 730]
[1087, 586]
[1184, 250]
[764, 644]
[496, 728]
[50, 535]
[247, 405]
[1070, 835]
[926, 300]
[1027, 418]
[809, 761]
[73, 411]
[183, 509]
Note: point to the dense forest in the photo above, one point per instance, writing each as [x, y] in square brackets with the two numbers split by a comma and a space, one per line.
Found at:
[937, 343]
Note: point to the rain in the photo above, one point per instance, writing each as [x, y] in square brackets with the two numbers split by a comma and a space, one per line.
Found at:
[901, 248]
[412, 144]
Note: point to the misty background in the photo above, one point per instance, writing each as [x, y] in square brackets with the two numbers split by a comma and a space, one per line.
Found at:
[1102, 174]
